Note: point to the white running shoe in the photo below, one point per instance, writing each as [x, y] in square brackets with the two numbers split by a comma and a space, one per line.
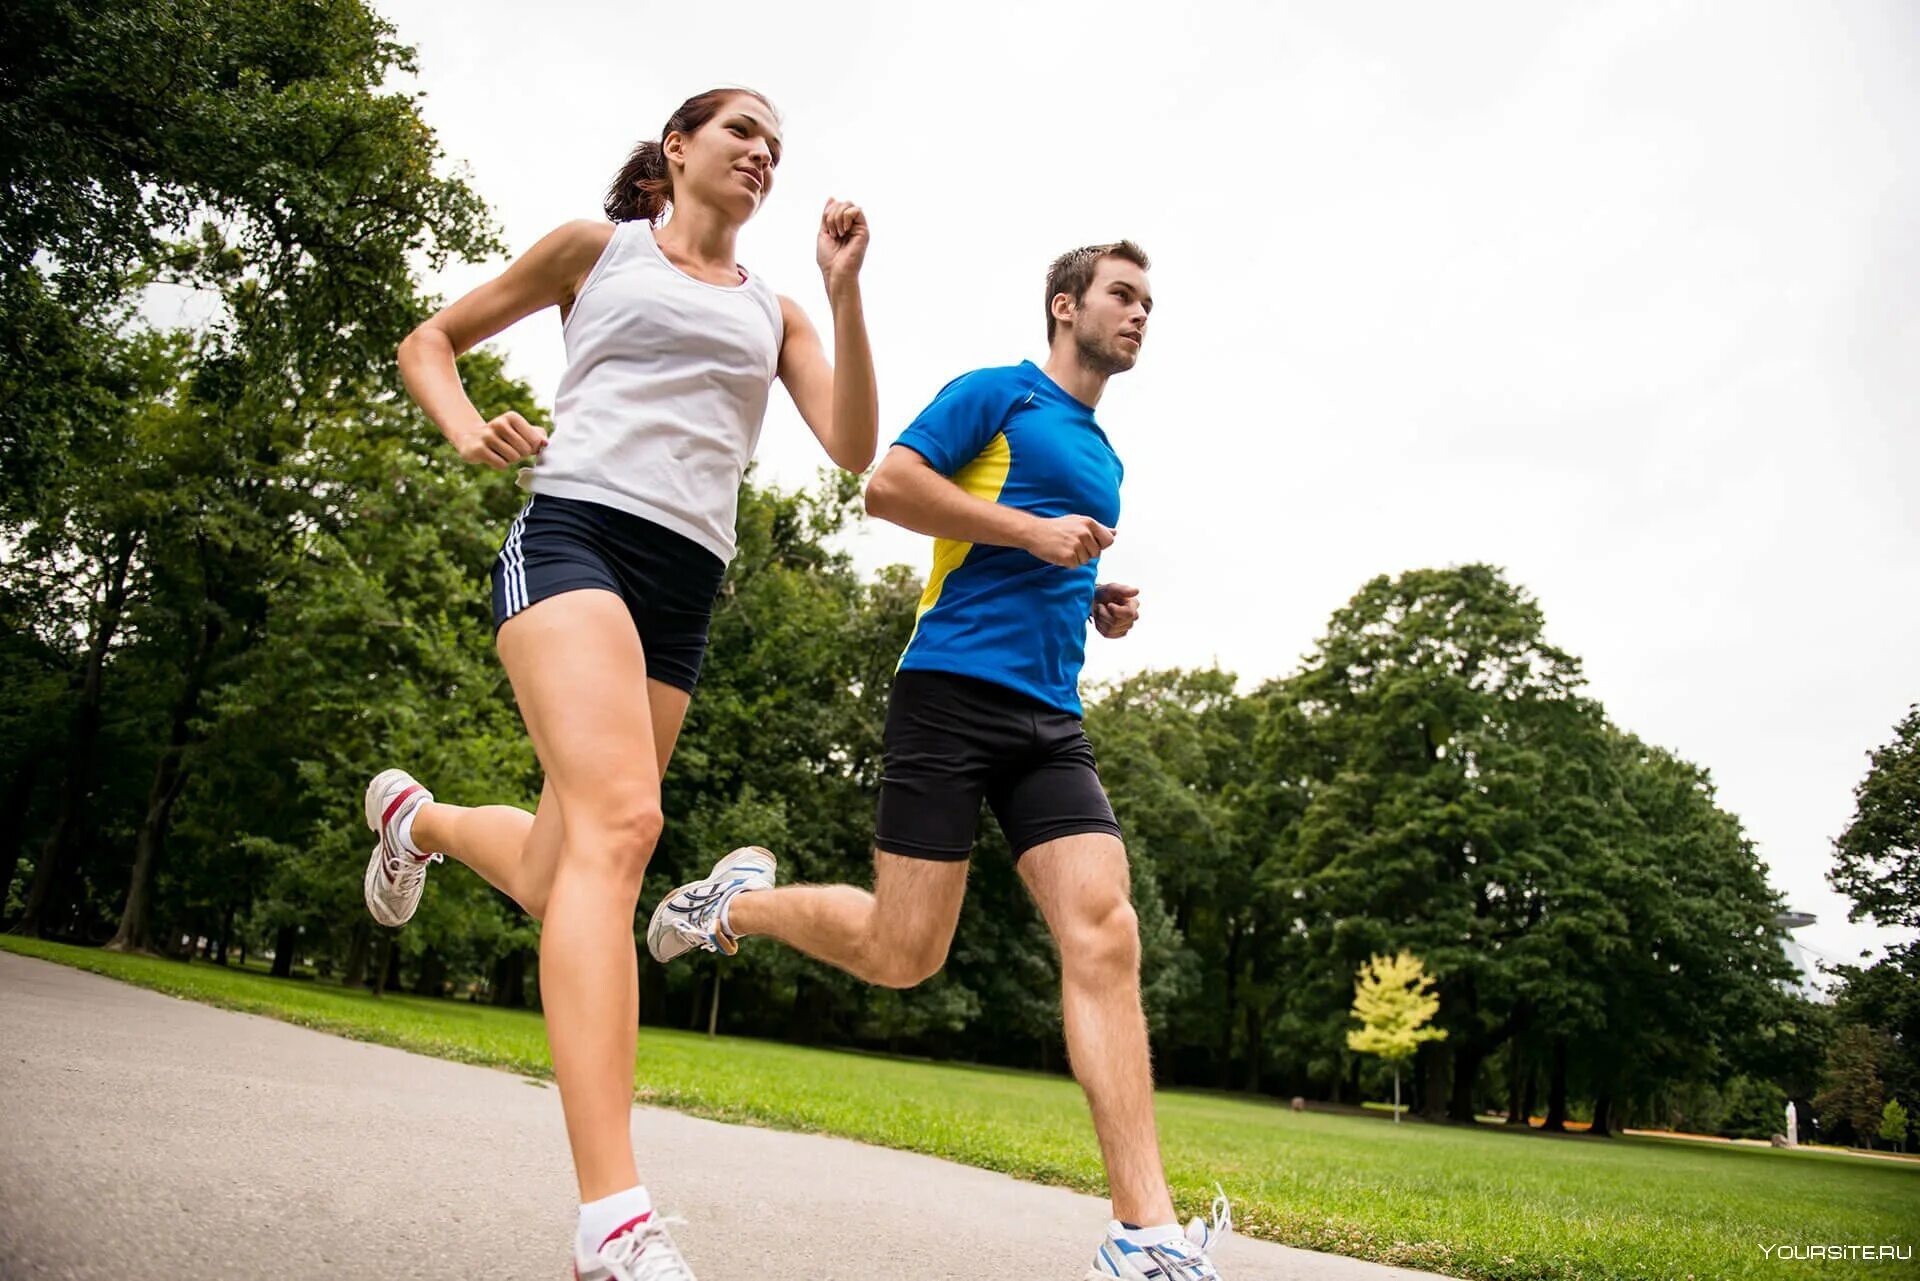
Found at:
[394, 877]
[689, 917]
[1173, 1260]
[641, 1251]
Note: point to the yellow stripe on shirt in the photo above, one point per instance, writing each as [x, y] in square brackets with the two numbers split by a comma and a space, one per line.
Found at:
[984, 477]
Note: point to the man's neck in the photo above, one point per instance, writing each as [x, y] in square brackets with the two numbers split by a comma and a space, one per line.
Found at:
[1074, 378]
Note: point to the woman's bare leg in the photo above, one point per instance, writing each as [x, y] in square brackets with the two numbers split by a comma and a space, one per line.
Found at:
[514, 851]
[579, 674]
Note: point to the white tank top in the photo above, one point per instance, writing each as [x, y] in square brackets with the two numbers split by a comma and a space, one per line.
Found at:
[666, 387]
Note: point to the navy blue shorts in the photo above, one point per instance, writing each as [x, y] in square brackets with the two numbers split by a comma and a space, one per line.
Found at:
[954, 740]
[667, 580]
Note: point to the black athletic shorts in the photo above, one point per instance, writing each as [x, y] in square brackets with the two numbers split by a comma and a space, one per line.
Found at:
[951, 740]
[667, 580]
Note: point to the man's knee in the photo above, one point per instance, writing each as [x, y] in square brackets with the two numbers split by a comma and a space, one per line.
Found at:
[1104, 940]
[905, 965]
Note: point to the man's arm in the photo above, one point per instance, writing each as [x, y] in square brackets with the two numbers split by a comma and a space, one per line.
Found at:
[909, 492]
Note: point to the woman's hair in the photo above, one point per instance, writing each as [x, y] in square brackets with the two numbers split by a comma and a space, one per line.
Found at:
[644, 186]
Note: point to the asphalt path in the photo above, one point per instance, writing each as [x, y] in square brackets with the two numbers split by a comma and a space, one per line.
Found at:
[143, 1136]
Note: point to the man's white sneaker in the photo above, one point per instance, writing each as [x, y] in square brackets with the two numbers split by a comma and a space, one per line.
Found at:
[395, 877]
[641, 1251]
[1177, 1259]
[690, 917]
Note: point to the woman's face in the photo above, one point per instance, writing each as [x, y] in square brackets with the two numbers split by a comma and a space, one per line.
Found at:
[729, 161]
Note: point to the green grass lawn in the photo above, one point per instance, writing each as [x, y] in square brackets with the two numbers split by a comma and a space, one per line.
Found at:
[1468, 1201]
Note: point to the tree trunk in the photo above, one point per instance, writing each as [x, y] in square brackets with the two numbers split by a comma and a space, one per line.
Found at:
[1466, 1074]
[1434, 1106]
[1396, 1091]
[1602, 1116]
[432, 971]
[226, 933]
[1256, 1047]
[285, 939]
[509, 980]
[713, 1010]
[1225, 1079]
[803, 1016]
[1519, 1083]
[359, 943]
[389, 971]
[699, 999]
[1557, 1088]
[80, 743]
[169, 777]
[13, 820]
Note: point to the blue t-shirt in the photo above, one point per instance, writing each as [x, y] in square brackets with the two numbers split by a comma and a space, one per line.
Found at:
[1012, 436]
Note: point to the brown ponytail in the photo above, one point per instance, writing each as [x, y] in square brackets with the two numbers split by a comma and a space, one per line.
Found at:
[644, 186]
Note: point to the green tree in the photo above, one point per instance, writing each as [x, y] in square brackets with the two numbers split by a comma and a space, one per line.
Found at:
[1393, 999]
[1877, 859]
[1420, 769]
[1854, 1095]
[1755, 1109]
[1893, 1124]
[253, 153]
[1171, 757]
[1885, 996]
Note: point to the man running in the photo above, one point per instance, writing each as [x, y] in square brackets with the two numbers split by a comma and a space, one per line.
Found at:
[1010, 474]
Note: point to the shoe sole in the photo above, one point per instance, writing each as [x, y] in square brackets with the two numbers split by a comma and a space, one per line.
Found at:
[374, 872]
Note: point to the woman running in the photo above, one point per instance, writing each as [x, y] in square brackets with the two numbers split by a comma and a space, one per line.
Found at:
[605, 584]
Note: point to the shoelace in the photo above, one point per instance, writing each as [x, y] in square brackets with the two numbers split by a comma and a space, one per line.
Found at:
[409, 871]
[695, 935]
[1181, 1267]
[701, 924]
[1212, 1234]
[648, 1254]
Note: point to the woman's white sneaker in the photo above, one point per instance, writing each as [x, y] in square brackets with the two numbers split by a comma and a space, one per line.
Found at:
[641, 1251]
[395, 875]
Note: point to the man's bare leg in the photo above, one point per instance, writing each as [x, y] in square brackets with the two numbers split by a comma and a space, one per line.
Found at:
[896, 936]
[1083, 889]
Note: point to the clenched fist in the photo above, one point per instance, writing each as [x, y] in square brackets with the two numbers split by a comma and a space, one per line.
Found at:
[502, 441]
[1116, 608]
[841, 246]
[1071, 541]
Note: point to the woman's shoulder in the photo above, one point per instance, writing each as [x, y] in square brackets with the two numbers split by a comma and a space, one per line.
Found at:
[581, 239]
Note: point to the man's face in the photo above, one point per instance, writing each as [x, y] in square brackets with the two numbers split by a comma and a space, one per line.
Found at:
[1110, 323]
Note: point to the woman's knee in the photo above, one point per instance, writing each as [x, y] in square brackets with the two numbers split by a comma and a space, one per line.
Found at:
[616, 841]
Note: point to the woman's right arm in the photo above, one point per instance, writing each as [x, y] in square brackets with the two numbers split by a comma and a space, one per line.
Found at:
[547, 275]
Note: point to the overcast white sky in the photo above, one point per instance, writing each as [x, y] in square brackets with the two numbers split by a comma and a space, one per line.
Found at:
[1621, 298]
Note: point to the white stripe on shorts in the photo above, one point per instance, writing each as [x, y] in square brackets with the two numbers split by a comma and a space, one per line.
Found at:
[513, 564]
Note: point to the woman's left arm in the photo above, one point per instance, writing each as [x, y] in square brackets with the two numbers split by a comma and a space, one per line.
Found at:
[840, 401]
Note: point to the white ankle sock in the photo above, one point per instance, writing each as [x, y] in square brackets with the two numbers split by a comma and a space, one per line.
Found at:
[1153, 1235]
[404, 830]
[726, 906]
[601, 1219]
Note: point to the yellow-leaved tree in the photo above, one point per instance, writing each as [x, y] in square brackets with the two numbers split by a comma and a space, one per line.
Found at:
[1393, 999]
